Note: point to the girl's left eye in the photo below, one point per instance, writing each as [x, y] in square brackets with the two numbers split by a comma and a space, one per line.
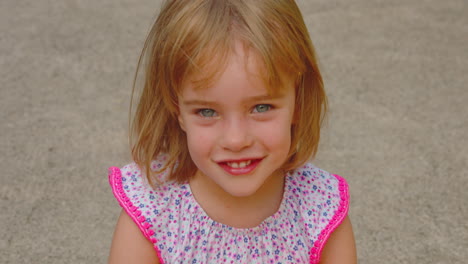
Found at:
[261, 108]
[206, 112]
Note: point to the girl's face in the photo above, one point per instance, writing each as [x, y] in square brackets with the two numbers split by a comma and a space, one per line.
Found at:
[237, 134]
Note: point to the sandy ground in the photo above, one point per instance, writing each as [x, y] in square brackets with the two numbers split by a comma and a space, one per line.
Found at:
[396, 72]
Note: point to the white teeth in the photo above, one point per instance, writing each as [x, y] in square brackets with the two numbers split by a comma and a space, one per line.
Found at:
[241, 164]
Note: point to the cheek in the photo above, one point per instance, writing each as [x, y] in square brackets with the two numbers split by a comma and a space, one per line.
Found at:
[199, 140]
[276, 136]
[198, 133]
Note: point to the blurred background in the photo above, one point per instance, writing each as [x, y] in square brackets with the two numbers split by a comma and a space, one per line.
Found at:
[396, 73]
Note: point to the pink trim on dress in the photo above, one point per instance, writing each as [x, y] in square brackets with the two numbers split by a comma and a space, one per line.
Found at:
[115, 180]
[337, 219]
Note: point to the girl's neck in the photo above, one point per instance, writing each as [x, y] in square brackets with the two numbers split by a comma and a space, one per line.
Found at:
[239, 212]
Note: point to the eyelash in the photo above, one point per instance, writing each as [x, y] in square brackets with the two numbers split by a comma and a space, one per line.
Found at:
[200, 111]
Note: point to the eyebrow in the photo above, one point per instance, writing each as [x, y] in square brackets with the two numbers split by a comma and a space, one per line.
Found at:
[250, 99]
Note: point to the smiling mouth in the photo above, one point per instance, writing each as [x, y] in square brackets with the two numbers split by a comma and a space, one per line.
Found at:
[240, 167]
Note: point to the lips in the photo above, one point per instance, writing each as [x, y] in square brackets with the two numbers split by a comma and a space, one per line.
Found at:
[240, 167]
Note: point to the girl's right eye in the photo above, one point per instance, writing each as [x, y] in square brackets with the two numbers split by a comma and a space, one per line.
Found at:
[206, 112]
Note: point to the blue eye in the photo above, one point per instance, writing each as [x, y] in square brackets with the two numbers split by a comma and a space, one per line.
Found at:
[207, 112]
[262, 108]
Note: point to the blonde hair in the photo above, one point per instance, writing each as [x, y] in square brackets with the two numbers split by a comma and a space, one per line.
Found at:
[194, 37]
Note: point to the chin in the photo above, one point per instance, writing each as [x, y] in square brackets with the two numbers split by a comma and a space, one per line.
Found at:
[241, 191]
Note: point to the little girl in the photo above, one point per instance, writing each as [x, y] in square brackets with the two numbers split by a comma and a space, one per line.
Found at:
[229, 115]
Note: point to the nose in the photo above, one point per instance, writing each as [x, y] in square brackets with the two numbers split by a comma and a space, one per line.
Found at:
[236, 134]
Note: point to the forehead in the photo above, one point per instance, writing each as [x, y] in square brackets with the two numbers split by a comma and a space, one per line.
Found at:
[240, 66]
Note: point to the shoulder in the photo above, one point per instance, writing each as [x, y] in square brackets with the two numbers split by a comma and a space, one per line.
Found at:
[128, 181]
[133, 178]
[323, 200]
[313, 181]
[143, 206]
[132, 191]
[153, 210]
[320, 193]
[138, 198]
[133, 173]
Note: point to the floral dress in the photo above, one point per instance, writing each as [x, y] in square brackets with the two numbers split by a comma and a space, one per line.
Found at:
[314, 203]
